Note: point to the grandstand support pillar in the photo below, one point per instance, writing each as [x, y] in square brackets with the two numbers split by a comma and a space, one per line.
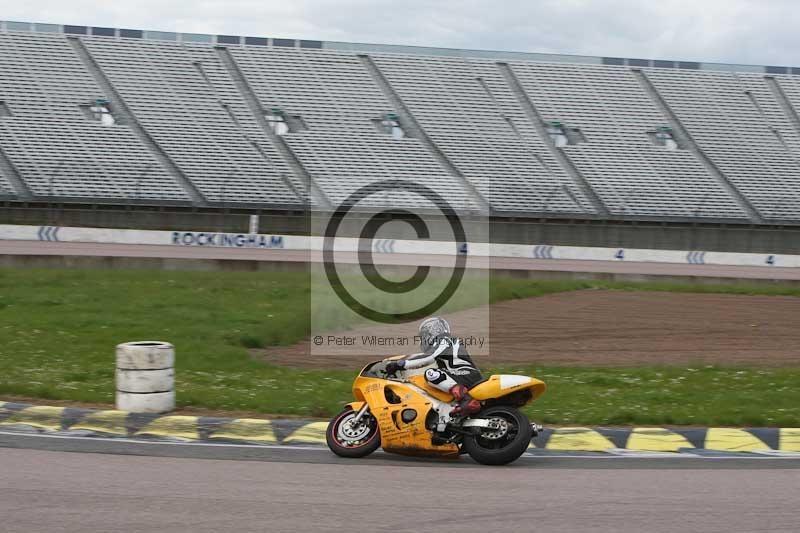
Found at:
[133, 123]
[783, 100]
[414, 129]
[536, 121]
[8, 170]
[684, 138]
[257, 109]
[766, 118]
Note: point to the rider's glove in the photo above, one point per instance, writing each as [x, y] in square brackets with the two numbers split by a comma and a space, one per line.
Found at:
[393, 366]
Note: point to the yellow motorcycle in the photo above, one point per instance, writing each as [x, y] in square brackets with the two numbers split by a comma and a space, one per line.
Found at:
[404, 414]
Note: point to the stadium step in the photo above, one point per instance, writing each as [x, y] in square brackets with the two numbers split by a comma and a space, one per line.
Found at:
[131, 121]
[257, 109]
[683, 135]
[8, 170]
[537, 122]
[414, 129]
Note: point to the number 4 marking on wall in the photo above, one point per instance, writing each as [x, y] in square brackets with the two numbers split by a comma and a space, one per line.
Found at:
[620, 254]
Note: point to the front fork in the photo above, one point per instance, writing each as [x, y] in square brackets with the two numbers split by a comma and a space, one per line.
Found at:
[360, 414]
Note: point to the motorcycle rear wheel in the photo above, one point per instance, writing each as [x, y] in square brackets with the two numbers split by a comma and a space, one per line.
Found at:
[367, 437]
[506, 448]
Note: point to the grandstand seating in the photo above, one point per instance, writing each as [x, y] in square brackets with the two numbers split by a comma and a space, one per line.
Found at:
[192, 128]
[462, 119]
[49, 141]
[337, 100]
[727, 126]
[168, 95]
[622, 165]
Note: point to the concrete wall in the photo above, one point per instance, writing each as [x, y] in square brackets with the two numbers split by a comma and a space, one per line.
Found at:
[612, 234]
[665, 236]
[130, 241]
[148, 263]
[216, 265]
[151, 218]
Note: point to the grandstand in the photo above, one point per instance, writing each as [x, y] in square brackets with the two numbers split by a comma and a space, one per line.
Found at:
[120, 117]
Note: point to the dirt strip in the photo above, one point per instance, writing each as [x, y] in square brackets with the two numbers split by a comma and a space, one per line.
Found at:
[600, 328]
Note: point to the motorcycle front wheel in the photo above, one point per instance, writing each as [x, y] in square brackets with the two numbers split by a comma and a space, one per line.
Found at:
[346, 439]
[503, 445]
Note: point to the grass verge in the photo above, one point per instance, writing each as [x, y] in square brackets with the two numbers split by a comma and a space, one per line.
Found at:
[58, 329]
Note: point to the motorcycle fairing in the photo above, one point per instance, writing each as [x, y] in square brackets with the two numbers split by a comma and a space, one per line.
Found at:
[397, 435]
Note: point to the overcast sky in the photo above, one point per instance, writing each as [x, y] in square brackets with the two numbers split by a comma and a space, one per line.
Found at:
[730, 31]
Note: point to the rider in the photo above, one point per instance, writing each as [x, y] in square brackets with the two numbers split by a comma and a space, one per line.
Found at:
[454, 372]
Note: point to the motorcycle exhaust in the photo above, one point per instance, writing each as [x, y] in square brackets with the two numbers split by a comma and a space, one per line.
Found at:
[536, 428]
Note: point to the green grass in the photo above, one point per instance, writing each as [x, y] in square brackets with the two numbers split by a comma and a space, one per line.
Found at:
[58, 329]
[703, 395]
[508, 289]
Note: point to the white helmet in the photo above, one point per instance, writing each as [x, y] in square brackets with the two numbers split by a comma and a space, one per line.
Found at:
[431, 329]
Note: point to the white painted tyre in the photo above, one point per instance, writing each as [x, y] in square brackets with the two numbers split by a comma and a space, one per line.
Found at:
[145, 355]
[145, 380]
[156, 402]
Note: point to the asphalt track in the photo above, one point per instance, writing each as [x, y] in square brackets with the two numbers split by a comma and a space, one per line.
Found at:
[36, 248]
[127, 485]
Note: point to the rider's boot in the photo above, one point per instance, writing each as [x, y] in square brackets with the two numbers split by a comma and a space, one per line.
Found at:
[467, 405]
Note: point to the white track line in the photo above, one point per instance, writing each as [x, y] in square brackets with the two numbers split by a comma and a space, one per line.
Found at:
[312, 448]
[171, 442]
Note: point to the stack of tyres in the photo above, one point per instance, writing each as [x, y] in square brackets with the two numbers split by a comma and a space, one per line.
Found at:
[146, 377]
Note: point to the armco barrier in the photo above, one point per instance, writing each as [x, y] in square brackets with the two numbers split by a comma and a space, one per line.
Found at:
[294, 242]
[17, 416]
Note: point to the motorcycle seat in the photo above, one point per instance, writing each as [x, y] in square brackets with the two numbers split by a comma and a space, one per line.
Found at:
[483, 380]
[500, 385]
